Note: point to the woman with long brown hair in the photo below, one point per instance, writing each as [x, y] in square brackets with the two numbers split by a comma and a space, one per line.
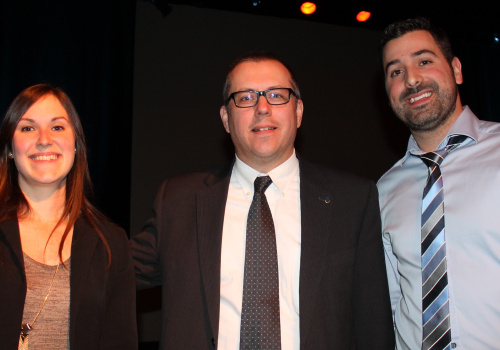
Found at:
[66, 276]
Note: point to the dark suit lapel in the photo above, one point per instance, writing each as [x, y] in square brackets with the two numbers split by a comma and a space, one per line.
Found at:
[12, 284]
[316, 213]
[83, 249]
[9, 234]
[211, 205]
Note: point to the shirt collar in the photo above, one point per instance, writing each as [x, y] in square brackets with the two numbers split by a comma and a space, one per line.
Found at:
[466, 124]
[281, 175]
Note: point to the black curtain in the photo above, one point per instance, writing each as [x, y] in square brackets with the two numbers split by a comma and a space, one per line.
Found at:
[85, 48]
[480, 57]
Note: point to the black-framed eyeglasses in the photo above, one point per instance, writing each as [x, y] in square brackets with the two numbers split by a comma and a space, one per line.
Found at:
[250, 98]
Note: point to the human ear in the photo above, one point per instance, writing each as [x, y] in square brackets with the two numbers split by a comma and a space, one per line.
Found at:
[456, 66]
[224, 117]
[299, 111]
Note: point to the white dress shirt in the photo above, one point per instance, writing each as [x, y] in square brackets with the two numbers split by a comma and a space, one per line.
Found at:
[283, 196]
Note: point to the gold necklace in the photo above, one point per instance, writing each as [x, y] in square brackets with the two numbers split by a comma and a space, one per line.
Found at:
[27, 327]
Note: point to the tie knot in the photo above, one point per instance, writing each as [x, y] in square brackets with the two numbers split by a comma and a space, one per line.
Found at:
[262, 183]
[432, 158]
[436, 158]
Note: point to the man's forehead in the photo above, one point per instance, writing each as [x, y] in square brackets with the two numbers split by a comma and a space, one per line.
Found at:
[260, 71]
[262, 64]
[411, 43]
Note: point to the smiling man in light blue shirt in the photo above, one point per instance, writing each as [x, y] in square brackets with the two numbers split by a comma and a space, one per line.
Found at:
[421, 79]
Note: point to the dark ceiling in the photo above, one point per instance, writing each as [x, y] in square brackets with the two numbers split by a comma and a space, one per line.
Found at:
[474, 18]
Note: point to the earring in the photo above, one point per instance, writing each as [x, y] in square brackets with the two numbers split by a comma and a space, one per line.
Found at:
[10, 155]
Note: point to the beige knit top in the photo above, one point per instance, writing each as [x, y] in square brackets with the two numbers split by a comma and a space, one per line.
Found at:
[51, 328]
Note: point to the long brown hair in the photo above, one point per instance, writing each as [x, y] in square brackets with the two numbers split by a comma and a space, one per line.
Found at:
[13, 203]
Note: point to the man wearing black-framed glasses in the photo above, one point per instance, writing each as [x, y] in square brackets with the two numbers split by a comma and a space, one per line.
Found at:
[269, 251]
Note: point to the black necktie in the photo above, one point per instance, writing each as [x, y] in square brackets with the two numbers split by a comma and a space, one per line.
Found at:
[260, 314]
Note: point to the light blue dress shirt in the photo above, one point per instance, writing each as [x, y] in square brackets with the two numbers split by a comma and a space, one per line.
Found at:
[471, 184]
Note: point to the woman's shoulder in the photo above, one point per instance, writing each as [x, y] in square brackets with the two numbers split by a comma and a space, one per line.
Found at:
[109, 230]
[112, 236]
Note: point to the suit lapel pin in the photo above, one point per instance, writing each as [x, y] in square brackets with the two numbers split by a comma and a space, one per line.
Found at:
[325, 199]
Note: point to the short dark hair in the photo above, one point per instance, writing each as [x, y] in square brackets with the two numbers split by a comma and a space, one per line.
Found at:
[257, 56]
[400, 28]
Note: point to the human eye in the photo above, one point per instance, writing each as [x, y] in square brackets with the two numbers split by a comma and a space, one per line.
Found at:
[394, 73]
[244, 98]
[60, 124]
[277, 94]
[425, 62]
[26, 128]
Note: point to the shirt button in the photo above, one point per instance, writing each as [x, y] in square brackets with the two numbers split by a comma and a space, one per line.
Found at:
[453, 345]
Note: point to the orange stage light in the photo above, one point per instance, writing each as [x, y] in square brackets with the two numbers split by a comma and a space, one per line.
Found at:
[307, 8]
[363, 16]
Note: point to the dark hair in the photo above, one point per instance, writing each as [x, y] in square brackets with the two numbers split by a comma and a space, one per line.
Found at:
[13, 203]
[257, 56]
[400, 28]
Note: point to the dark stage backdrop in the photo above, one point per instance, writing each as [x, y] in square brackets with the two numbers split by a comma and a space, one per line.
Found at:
[86, 48]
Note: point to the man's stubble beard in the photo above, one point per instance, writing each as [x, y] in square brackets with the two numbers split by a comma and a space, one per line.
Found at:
[429, 116]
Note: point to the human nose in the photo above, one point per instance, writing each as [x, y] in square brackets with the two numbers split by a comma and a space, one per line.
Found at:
[44, 138]
[413, 77]
[263, 107]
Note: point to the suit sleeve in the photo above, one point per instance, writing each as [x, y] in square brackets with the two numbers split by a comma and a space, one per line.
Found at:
[145, 246]
[374, 329]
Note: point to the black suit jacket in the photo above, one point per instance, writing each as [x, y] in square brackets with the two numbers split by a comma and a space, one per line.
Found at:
[102, 300]
[343, 293]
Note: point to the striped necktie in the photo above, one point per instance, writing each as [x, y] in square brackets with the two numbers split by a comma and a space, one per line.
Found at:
[435, 295]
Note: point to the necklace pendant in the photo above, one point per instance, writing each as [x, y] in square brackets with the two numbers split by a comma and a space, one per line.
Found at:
[23, 339]
[25, 328]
